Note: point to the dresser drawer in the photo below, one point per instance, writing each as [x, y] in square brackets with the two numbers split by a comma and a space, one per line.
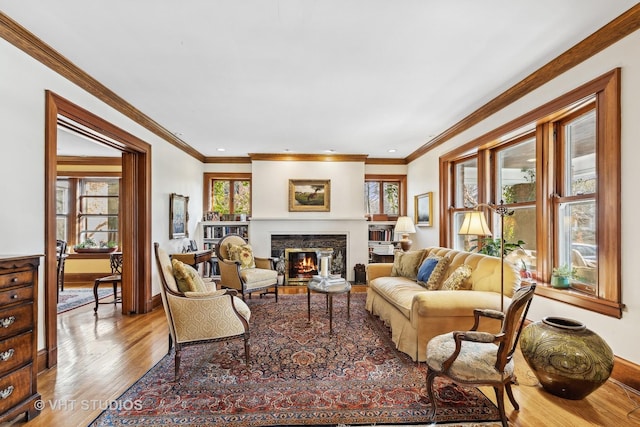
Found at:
[16, 278]
[16, 319]
[15, 351]
[15, 295]
[15, 387]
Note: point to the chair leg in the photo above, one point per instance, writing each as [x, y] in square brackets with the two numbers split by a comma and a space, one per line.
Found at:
[115, 293]
[500, 400]
[170, 343]
[177, 362]
[510, 394]
[95, 295]
[276, 292]
[431, 376]
[247, 349]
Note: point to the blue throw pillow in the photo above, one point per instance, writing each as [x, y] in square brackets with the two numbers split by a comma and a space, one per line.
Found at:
[425, 270]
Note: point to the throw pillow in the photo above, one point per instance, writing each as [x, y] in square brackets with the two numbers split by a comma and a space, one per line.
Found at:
[406, 264]
[243, 254]
[426, 269]
[187, 278]
[456, 280]
[435, 279]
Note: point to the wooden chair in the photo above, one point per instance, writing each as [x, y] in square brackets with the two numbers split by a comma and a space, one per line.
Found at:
[115, 279]
[61, 256]
[203, 318]
[248, 275]
[481, 358]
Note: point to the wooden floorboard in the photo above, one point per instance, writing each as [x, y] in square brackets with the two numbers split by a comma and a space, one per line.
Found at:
[101, 356]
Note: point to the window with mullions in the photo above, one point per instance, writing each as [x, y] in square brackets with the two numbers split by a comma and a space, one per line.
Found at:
[98, 211]
[576, 186]
[231, 196]
[384, 196]
[466, 196]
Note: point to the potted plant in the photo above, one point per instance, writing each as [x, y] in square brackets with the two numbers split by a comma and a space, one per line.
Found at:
[280, 268]
[561, 275]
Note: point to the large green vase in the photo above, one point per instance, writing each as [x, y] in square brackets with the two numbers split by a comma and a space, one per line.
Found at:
[569, 360]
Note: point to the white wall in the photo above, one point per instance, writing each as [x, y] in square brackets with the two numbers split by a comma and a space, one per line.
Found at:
[270, 208]
[620, 334]
[22, 111]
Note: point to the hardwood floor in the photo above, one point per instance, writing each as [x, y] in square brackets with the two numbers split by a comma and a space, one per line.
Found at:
[101, 356]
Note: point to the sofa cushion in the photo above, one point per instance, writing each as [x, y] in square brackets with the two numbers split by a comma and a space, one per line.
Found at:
[457, 279]
[398, 291]
[243, 254]
[187, 278]
[435, 279]
[426, 268]
[405, 264]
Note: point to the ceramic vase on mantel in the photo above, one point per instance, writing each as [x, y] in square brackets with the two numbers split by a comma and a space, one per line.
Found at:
[569, 360]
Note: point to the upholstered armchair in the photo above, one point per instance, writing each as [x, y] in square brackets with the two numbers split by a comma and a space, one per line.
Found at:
[481, 358]
[202, 315]
[241, 270]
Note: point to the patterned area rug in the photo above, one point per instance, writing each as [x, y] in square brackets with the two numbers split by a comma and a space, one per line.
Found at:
[77, 297]
[299, 375]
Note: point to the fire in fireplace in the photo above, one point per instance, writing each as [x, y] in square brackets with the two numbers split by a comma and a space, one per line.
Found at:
[301, 264]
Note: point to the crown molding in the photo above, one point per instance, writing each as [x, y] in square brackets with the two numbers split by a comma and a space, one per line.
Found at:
[612, 32]
[309, 157]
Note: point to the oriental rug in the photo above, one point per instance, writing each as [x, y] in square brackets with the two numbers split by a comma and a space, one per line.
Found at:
[299, 375]
[77, 297]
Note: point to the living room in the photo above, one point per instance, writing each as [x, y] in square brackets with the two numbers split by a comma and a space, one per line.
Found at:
[174, 170]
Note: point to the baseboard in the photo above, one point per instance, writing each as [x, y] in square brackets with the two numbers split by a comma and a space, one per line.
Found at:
[628, 373]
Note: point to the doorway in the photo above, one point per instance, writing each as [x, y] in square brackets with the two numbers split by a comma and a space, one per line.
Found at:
[135, 212]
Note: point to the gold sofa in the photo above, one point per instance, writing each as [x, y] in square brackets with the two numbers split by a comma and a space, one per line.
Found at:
[415, 314]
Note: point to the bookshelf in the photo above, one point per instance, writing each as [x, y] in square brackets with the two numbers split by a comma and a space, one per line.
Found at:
[380, 234]
[213, 231]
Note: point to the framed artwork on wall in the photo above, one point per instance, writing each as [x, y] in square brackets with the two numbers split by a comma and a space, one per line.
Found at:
[309, 195]
[424, 209]
[178, 216]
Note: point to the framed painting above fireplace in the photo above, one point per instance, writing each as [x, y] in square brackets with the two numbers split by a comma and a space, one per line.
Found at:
[309, 195]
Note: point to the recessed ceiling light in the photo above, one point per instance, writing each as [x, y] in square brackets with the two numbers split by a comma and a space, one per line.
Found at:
[221, 149]
[392, 150]
[331, 150]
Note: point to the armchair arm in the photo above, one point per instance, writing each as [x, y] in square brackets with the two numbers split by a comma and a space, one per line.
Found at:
[229, 275]
[473, 336]
[205, 318]
[485, 312]
[266, 263]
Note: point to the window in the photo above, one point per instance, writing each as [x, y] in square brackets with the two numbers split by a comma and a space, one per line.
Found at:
[385, 196]
[228, 194]
[91, 215]
[552, 174]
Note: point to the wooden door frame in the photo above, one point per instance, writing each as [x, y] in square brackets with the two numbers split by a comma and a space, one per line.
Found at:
[135, 211]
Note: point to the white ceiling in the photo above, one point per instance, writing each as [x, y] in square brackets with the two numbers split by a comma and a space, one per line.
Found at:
[354, 76]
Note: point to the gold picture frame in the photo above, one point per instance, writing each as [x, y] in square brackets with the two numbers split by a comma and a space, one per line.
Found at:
[178, 216]
[423, 205]
[309, 195]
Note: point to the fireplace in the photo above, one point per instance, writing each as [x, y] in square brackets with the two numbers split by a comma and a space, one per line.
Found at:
[282, 244]
[301, 264]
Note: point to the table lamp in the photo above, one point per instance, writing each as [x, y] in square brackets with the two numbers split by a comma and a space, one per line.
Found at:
[405, 226]
[474, 223]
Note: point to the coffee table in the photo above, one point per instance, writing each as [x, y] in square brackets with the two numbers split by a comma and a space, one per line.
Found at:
[329, 289]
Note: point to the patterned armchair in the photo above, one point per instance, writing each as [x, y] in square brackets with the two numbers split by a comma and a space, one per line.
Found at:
[200, 317]
[240, 270]
[481, 358]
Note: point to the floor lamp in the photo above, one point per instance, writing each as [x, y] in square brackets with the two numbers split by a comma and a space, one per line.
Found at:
[474, 223]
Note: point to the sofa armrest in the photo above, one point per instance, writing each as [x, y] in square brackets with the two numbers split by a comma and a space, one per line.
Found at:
[459, 303]
[382, 269]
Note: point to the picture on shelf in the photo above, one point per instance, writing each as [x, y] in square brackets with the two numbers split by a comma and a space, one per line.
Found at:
[211, 216]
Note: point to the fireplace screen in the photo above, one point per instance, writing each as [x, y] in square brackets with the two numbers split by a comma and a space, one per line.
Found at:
[302, 264]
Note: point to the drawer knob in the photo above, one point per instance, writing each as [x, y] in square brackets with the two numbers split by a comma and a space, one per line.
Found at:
[7, 321]
[14, 296]
[6, 392]
[6, 355]
[14, 279]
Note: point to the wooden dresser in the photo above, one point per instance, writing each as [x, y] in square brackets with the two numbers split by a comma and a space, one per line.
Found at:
[18, 336]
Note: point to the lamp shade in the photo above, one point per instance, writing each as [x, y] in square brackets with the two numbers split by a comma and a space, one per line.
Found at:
[475, 224]
[404, 225]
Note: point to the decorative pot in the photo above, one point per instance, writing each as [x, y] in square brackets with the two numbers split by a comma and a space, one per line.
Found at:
[569, 360]
[559, 281]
